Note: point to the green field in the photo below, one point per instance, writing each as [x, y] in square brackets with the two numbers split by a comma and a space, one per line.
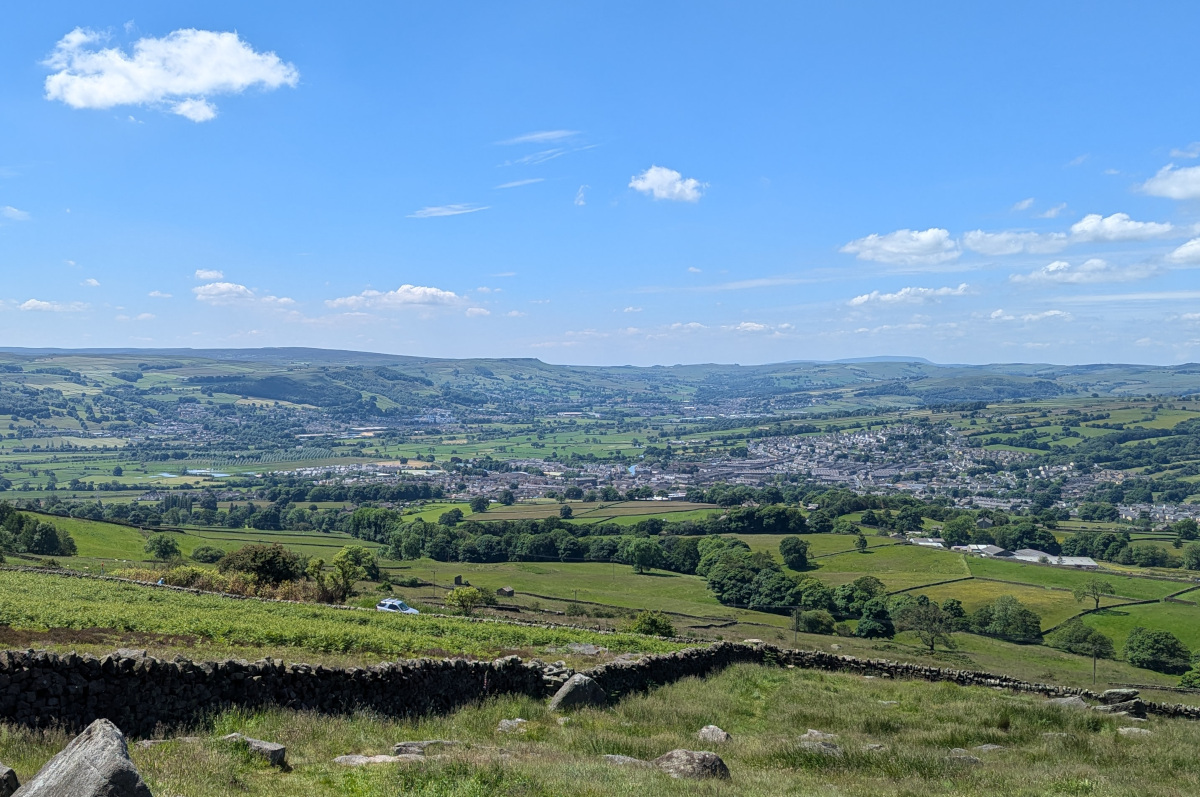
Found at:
[40, 601]
[1028, 573]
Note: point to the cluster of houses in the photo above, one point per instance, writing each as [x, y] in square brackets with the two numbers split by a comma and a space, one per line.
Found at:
[1020, 555]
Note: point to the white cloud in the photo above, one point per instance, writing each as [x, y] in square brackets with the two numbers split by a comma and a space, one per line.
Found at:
[12, 214]
[91, 283]
[144, 317]
[541, 137]
[1011, 243]
[222, 293]
[1117, 227]
[906, 247]
[209, 274]
[1078, 161]
[1090, 271]
[485, 289]
[694, 270]
[1187, 253]
[909, 295]
[445, 210]
[1054, 212]
[1173, 183]
[633, 309]
[404, 296]
[749, 326]
[179, 71]
[514, 314]
[279, 301]
[1024, 204]
[581, 196]
[1062, 315]
[1000, 315]
[37, 305]
[478, 311]
[159, 295]
[662, 183]
[1190, 151]
[519, 183]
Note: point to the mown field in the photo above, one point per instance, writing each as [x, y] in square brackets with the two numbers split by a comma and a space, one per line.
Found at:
[1044, 749]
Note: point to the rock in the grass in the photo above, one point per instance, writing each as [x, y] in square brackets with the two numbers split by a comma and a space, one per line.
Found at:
[585, 648]
[961, 756]
[1074, 701]
[824, 748]
[989, 748]
[627, 761]
[1111, 696]
[692, 764]
[889, 702]
[874, 748]
[711, 733]
[817, 736]
[274, 754]
[131, 653]
[8, 781]
[753, 641]
[95, 764]
[1133, 731]
[577, 692]
[365, 760]
[1134, 708]
[512, 726]
[419, 748]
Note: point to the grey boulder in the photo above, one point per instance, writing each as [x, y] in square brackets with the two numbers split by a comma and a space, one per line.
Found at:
[8, 781]
[1111, 696]
[694, 764]
[577, 692]
[1074, 701]
[274, 754]
[711, 733]
[95, 764]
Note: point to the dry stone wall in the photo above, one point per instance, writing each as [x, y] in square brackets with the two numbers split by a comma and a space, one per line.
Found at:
[142, 694]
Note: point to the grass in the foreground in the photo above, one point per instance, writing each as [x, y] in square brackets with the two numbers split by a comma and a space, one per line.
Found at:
[765, 709]
[39, 601]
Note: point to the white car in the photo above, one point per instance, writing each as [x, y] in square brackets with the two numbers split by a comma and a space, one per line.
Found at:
[395, 605]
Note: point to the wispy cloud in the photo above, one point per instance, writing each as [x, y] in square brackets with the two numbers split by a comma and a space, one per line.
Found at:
[540, 137]
[1011, 243]
[91, 282]
[159, 295]
[663, 183]
[1053, 212]
[1090, 271]
[1190, 151]
[519, 183]
[910, 295]
[1024, 204]
[475, 312]
[1148, 296]
[40, 306]
[581, 196]
[178, 71]
[209, 274]
[906, 247]
[1078, 160]
[438, 211]
[13, 214]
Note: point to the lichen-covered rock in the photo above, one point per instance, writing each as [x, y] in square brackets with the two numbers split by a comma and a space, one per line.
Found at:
[1110, 696]
[95, 764]
[694, 764]
[274, 754]
[512, 726]
[1074, 701]
[711, 733]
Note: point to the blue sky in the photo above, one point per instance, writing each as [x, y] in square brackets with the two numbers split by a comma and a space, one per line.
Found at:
[605, 182]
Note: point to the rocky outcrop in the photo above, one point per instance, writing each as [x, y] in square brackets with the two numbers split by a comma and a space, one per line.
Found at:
[692, 764]
[95, 764]
[711, 733]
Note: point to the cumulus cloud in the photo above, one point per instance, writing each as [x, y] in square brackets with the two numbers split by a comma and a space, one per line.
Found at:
[209, 274]
[159, 295]
[1090, 271]
[1173, 183]
[478, 311]
[748, 326]
[911, 295]
[179, 71]
[662, 183]
[906, 247]
[222, 292]
[90, 283]
[438, 211]
[1187, 253]
[39, 306]
[1117, 227]
[1011, 243]
[13, 214]
[404, 296]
